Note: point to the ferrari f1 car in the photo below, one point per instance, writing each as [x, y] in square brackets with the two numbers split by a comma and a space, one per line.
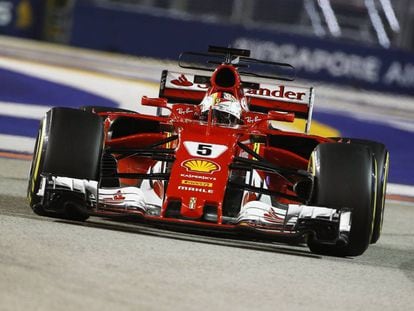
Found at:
[217, 155]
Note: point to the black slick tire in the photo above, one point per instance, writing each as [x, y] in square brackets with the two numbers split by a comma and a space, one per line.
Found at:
[69, 144]
[345, 176]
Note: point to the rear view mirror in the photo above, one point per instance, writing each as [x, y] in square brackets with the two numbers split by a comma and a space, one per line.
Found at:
[154, 102]
[281, 116]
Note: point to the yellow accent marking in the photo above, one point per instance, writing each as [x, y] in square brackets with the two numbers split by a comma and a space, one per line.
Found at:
[168, 145]
[312, 164]
[384, 189]
[316, 128]
[38, 153]
[256, 148]
[375, 199]
[215, 99]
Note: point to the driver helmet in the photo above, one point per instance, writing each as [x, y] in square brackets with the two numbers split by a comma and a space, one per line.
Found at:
[226, 108]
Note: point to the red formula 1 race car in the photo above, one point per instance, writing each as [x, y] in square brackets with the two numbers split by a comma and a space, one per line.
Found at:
[216, 156]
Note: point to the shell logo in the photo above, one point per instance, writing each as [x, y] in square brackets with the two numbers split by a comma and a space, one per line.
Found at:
[200, 166]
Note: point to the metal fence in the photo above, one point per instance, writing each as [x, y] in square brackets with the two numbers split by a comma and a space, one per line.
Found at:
[389, 23]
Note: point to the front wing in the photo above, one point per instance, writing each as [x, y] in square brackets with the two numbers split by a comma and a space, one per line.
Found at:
[327, 225]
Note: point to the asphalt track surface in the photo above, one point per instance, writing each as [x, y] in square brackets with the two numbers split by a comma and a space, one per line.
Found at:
[50, 264]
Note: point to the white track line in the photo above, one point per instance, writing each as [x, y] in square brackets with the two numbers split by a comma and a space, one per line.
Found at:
[26, 111]
[17, 143]
[404, 190]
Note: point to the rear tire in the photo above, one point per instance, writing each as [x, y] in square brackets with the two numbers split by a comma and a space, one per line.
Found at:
[69, 144]
[381, 155]
[345, 176]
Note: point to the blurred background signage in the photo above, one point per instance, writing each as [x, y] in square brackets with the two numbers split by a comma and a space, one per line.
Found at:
[21, 18]
[361, 43]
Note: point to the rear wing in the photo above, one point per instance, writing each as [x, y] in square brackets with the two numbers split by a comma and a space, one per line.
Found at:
[190, 88]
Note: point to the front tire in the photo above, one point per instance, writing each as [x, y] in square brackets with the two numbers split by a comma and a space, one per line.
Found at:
[345, 177]
[69, 144]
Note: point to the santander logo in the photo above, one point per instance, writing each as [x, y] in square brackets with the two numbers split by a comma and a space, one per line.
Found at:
[182, 81]
[278, 92]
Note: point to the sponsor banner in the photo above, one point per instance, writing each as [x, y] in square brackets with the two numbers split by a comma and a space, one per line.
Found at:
[332, 61]
[286, 93]
[373, 68]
